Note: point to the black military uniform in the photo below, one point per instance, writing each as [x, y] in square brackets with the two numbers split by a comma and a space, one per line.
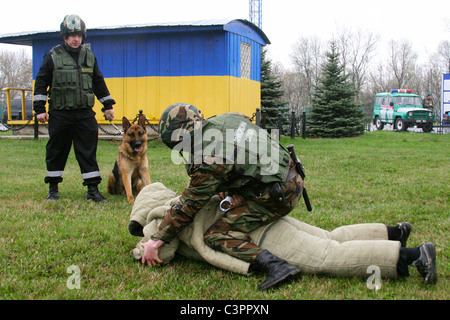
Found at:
[71, 77]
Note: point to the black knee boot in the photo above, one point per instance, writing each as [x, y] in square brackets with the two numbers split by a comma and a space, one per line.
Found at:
[53, 193]
[276, 269]
[94, 195]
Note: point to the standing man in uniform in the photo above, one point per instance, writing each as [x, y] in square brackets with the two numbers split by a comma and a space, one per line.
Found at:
[70, 75]
[428, 102]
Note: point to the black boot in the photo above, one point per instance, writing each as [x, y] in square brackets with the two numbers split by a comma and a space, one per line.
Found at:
[426, 264]
[94, 195]
[405, 229]
[53, 193]
[276, 269]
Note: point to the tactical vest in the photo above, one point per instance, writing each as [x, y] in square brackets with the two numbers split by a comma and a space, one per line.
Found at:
[233, 139]
[72, 81]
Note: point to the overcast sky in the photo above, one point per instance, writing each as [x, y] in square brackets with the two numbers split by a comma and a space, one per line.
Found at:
[424, 23]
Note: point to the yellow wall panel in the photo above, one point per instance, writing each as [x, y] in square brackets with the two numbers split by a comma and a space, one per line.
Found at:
[211, 94]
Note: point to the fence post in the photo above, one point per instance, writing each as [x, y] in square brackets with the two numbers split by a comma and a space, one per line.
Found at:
[293, 124]
[258, 117]
[304, 125]
[263, 119]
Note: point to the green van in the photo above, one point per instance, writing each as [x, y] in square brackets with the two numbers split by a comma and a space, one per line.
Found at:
[403, 109]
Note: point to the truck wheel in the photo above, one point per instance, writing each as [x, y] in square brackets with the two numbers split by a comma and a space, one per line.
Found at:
[400, 124]
[378, 124]
[427, 128]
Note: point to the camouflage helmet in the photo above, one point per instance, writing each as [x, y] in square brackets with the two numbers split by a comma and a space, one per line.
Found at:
[72, 24]
[178, 116]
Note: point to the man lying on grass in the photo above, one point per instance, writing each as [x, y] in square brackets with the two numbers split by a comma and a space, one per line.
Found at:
[229, 155]
[344, 252]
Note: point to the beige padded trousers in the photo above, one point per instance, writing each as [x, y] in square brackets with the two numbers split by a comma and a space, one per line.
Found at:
[346, 251]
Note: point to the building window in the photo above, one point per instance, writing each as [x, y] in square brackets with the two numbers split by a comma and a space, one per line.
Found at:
[246, 58]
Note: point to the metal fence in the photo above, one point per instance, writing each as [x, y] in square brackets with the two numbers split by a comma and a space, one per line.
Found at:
[293, 125]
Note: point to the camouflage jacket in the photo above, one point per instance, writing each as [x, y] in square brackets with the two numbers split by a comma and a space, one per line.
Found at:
[209, 178]
[205, 182]
[428, 103]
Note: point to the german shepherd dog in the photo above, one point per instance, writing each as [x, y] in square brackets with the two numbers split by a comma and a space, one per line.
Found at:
[130, 173]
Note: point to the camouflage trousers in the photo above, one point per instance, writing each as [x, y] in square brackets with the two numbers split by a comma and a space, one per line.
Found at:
[230, 233]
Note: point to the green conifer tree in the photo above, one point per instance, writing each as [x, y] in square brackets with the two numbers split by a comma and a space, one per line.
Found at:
[271, 94]
[334, 112]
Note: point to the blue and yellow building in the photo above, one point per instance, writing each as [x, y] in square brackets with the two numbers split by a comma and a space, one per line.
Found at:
[214, 65]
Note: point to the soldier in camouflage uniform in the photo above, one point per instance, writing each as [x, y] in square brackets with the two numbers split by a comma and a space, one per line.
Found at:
[428, 102]
[260, 196]
[262, 193]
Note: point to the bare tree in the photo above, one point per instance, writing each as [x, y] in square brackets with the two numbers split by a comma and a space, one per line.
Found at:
[402, 62]
[357, 50]
[428, 79]
[294, 90]
[307, 59]
[380, 79]
[444, 55]
[15, 71]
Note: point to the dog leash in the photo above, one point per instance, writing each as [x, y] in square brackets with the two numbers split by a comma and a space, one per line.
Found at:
[110, 119]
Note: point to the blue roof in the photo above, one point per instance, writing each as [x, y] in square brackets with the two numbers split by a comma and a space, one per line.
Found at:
[231, 25]
[195, 48]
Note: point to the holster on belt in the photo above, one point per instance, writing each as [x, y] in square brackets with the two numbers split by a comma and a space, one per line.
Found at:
[276, 193]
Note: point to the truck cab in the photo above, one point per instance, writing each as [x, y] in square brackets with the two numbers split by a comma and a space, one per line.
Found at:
[402, 109]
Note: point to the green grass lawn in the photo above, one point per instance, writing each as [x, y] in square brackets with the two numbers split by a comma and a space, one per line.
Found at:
[384, 176]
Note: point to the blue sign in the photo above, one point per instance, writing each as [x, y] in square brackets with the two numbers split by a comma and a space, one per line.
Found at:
[445, 95]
